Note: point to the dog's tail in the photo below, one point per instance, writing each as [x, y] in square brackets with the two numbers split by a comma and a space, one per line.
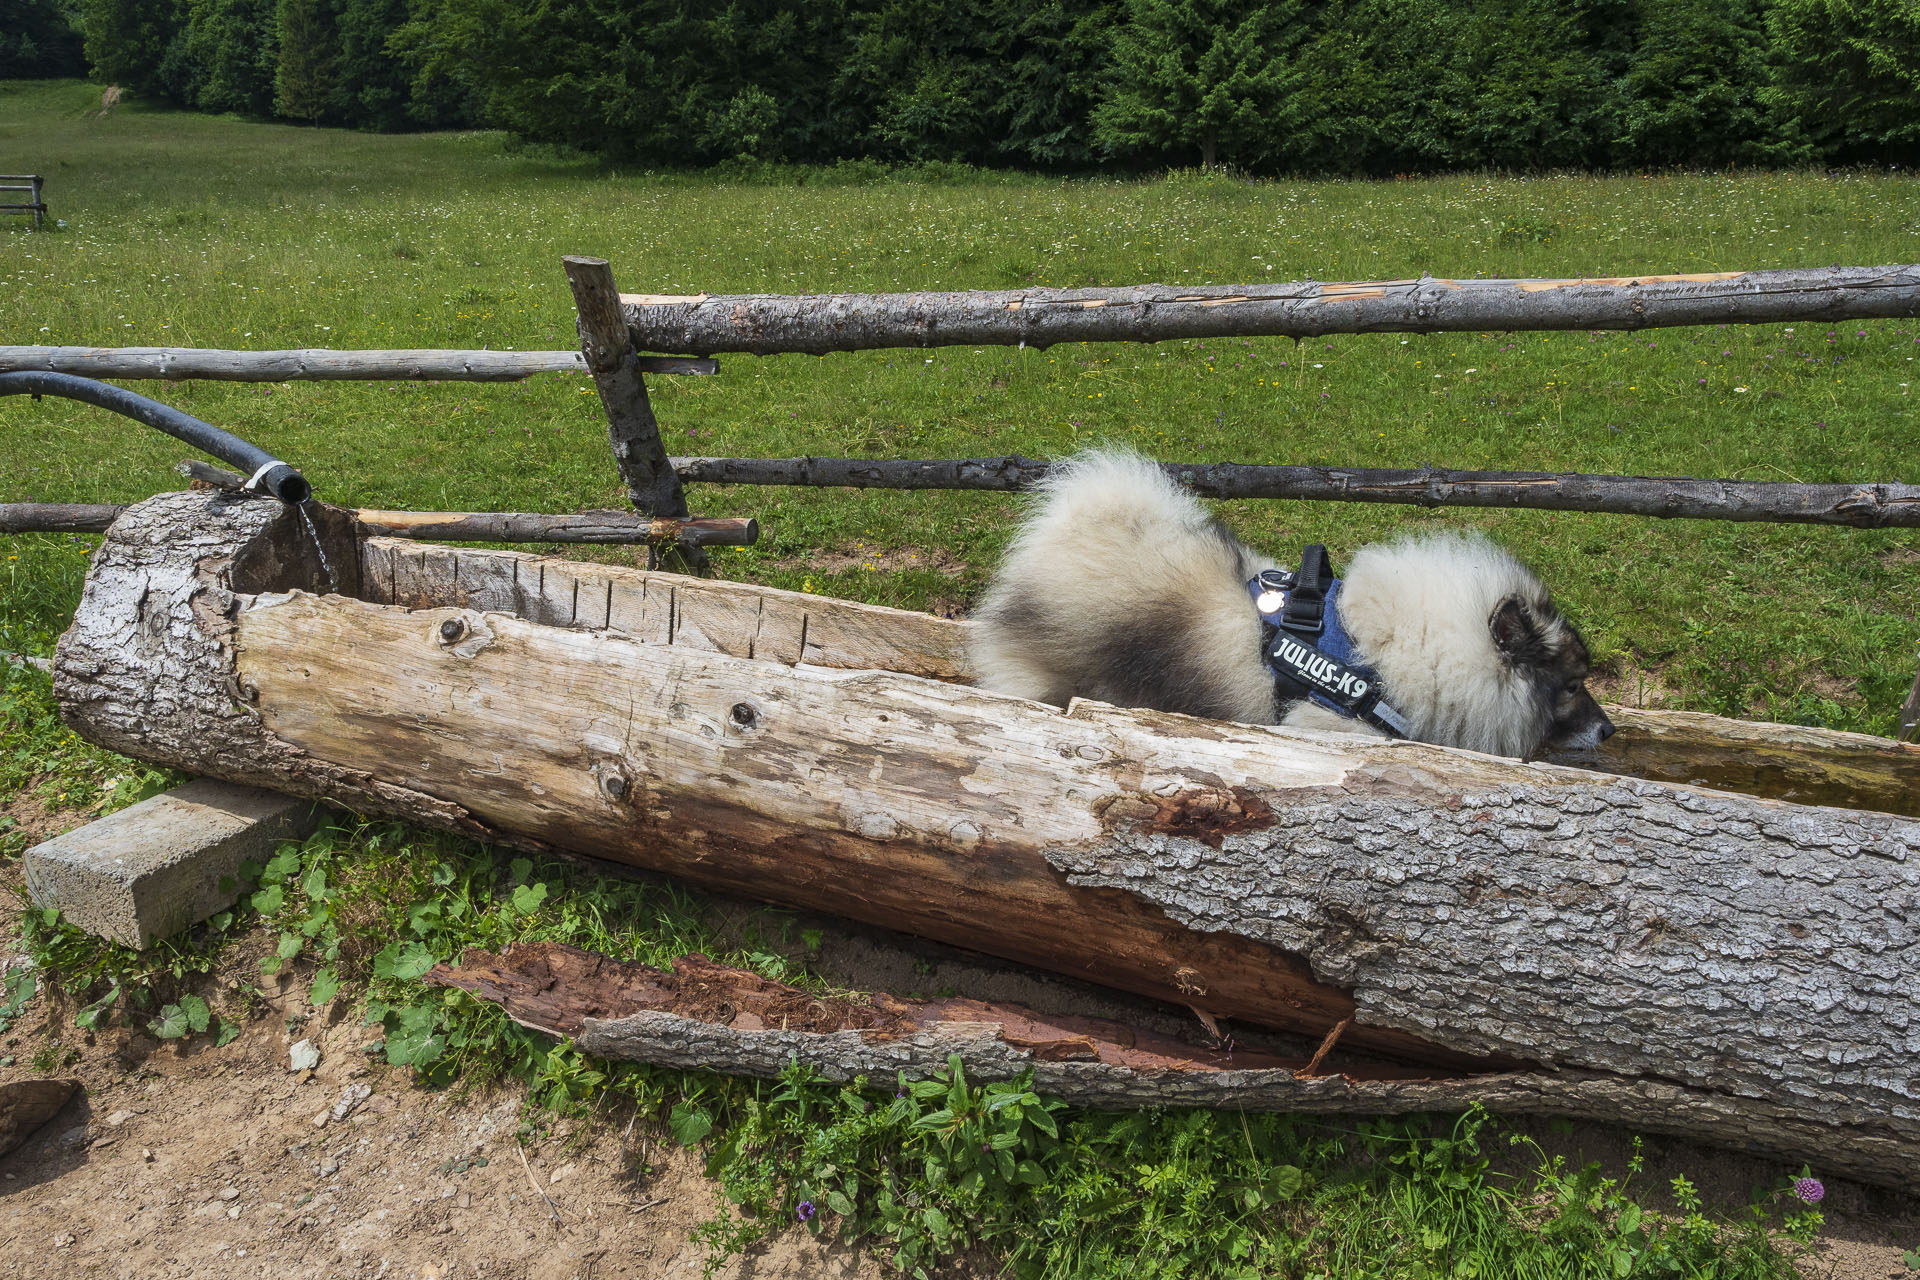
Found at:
[1120, 586]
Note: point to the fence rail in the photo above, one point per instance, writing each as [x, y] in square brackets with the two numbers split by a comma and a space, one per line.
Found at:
[1864, 506]
[765, 324]
[316, 364]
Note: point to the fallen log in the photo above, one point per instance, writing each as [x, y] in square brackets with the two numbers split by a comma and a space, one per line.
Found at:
[704, 1016]
[1753, 957]
[765, 324]
[1863, 506]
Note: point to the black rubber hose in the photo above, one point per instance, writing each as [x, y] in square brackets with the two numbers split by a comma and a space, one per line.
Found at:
[266, 472]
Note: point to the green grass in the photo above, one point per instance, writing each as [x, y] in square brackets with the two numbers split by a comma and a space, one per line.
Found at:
[200, 231]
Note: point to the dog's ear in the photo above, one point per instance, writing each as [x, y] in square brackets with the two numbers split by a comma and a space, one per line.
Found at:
[1516, 633]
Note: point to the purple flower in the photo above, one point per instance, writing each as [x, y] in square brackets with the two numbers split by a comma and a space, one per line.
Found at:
[805, 1209]
[1809, 1190]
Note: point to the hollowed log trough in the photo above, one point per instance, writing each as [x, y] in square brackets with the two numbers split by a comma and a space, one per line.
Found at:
[1737, 968]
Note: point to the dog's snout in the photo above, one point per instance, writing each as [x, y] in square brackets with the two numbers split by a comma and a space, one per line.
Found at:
[1606, 730]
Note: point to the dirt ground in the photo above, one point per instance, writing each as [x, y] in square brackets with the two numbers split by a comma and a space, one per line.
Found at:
[186, 1159]
[178, 1162]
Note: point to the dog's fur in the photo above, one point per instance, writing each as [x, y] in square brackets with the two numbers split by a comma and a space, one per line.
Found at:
[1120, 587]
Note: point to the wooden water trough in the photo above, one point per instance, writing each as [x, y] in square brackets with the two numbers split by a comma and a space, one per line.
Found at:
[1658, 951]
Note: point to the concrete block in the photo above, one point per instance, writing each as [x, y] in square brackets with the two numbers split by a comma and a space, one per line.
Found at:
[156, 867]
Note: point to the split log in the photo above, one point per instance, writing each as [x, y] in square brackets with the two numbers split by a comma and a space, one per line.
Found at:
[315, 364]
[1865, 506]
[761, 324]
[1753, 956]
[600, 527]
[704, 1016]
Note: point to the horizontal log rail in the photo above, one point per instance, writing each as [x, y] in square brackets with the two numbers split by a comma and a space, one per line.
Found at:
[764, 324]
[606, 527]
[1868, 506]
[316, 364]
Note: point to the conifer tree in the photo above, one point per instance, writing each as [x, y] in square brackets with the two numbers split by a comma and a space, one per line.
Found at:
[303, 84]
[1850, 71]
[1207, 75]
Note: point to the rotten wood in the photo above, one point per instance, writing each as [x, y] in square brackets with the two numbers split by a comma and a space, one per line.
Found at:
[1867, 506]
[762, 324]
[705, 1016]
[317, 364]
[611, 358]
[1722, 951]
[599, 527]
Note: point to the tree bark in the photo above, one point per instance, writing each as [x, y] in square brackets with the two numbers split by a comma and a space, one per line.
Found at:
[704, 1016]
[57, 517]
[1465, 911]
[765, 324]
[316, 364]
[1866, 506]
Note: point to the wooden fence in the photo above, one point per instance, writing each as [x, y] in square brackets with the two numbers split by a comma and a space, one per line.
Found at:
[35, 204]
[626, 336]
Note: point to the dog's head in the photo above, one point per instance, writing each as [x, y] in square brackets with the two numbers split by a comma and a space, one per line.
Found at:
[1542, 648]
[1470, 646]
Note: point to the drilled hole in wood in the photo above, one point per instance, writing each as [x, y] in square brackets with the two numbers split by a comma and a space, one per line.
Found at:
[745, 714]
[451, 630]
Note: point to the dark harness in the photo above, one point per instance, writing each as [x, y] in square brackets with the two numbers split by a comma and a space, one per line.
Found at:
[1308, 651]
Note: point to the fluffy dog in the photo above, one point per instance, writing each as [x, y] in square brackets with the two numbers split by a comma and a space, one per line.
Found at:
[1120, 587]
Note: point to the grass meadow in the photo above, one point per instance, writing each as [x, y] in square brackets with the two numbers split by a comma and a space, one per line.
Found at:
[189, 230]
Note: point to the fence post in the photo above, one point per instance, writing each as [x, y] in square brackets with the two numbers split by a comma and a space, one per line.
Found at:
[1910, 714]
[651, 481]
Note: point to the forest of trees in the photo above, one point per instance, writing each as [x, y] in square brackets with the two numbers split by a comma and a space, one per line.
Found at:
[1293, 86]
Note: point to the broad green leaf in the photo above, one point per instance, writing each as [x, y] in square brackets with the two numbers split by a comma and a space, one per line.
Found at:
[290, 945]
[414, 1048]
[405, 961]
[282, 865]
[171, 1024]
[228, 1033]
[20, 988]
[269, 900]
[425, 918]
[839, 1204]
[324, 988]
[1285, 1181]
[689, 1123]
[197, 1012]
[528, 897]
